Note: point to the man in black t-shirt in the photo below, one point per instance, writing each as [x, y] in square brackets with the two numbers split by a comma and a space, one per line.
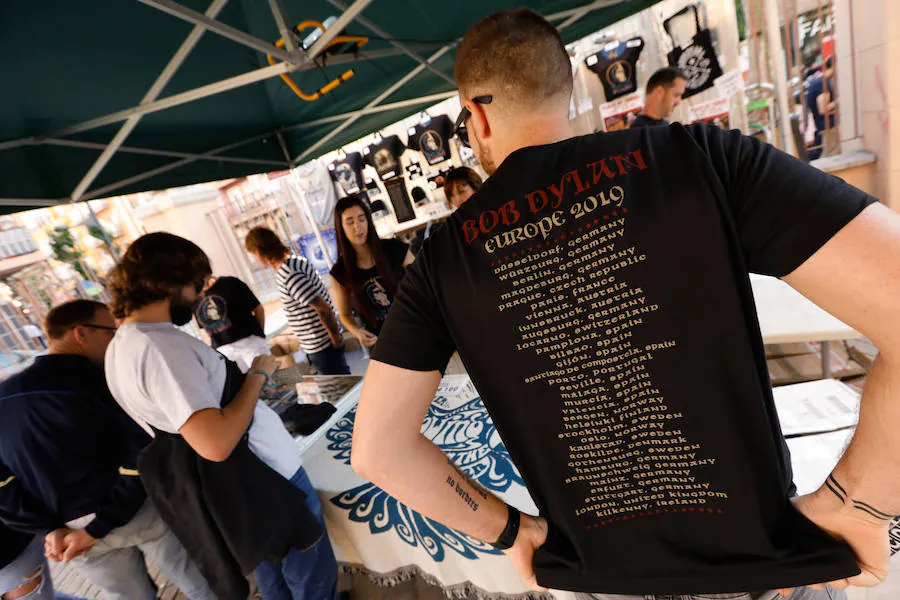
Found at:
[664, 91]
[597, 290]
[232, 317]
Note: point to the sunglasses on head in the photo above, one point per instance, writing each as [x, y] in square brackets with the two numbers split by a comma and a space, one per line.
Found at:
[101, 327]
[459, 129]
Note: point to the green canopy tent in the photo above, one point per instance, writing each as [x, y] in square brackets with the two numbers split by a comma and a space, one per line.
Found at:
[111, 97]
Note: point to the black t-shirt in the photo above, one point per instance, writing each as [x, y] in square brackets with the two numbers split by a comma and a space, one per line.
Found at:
[385, 157]
[225, 312]
[348, 173]
[597, 291]
[376, 297]
[617, 67]
[433, 139]
[12, 544]
[643, 120]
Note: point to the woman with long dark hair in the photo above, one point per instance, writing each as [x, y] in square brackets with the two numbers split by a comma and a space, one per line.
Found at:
[368, 269]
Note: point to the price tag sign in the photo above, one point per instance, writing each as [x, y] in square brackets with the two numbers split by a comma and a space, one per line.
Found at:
[730, 83]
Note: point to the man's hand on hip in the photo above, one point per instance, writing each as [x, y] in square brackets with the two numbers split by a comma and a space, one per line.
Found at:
[77, 543]
[532, 535]
[866, 537]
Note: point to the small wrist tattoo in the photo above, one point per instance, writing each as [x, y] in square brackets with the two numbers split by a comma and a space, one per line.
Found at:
[838, 490]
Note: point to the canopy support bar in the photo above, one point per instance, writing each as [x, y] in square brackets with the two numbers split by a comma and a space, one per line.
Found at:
[374, 102]
[212, 154]
[213, 88]
[151, 152]
[102, 191]
[373, 109]
[384, 34]
[571, 17]
[575, 17]
[284, 27]
[596, 5]
[152, 94]
[226, 31]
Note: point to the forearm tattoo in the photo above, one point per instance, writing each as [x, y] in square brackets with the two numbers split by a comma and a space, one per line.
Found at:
[838, 490]
[454, 483]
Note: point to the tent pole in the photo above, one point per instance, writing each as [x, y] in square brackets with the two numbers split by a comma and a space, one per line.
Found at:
[88, 125]
[152, 94]
[150, 152]
[221, 86]
[374, 109]
[577, 12]
[281, 20]
[596, 5]
[101, 191]
[304, 204]
[776, 58]
[375, 101]
[226, 31]
[585, 10]
[384, 34]
[212, 154]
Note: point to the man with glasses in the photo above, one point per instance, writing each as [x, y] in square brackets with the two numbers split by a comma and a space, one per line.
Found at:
[68, 456]
[597, 289]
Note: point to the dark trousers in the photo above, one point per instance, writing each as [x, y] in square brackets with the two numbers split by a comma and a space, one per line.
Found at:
[330, 361]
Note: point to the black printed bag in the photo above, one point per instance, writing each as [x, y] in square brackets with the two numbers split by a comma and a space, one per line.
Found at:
[698, 59]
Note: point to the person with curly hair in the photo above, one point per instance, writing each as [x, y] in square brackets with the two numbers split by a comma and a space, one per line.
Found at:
[181, 390]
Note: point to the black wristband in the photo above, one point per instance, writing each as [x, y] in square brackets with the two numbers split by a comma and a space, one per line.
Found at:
[508, 537]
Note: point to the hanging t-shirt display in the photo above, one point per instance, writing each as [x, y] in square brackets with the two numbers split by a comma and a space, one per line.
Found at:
[698, 59]
[616, 66]
[633, 394]
[396, 189]
[385, 156]
[432, 139]
[348, 173]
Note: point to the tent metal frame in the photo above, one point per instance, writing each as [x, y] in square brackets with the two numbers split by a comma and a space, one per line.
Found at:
[293, 59]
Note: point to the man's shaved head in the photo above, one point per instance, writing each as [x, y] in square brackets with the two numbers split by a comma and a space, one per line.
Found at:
[516, 56]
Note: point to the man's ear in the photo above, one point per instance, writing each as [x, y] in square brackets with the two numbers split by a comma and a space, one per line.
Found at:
[479, 121]
[78, 335]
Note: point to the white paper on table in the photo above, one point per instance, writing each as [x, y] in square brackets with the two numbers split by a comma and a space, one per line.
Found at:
[814, 456]
[453, 385]
[816, 406]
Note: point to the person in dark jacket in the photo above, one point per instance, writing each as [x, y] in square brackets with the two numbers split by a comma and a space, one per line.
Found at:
[664, 91]
[171, 382]
[67, 465]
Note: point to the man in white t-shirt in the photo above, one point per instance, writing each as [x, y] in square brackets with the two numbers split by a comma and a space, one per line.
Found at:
[169, 381]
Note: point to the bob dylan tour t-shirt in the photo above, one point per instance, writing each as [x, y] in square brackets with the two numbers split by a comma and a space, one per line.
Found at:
[597, 290]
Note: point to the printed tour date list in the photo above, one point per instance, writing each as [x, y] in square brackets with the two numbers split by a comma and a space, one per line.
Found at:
[564, 269]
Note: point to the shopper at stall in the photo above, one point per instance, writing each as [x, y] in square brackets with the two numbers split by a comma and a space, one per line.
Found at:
[460, 184]
[234, 320]
[68, 456]
[185, 392]
[306, 302]
[663, 95]
[367, 271]
[820, 102]
[597, 291]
